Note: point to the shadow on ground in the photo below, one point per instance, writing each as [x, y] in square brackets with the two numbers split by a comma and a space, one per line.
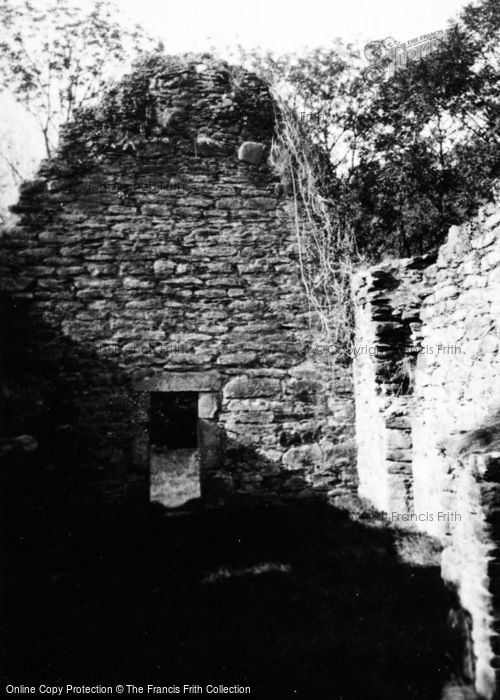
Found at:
[298, 600]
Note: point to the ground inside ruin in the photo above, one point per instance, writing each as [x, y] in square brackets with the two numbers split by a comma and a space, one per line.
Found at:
[297, 600]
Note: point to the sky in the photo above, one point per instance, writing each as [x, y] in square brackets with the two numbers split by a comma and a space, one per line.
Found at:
[279, 25]
[286, 25]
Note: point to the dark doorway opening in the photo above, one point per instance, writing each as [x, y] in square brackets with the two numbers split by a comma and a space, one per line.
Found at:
[173, 419]
[174, 454]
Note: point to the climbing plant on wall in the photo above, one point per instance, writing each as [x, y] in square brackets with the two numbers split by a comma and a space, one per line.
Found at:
[403, 157]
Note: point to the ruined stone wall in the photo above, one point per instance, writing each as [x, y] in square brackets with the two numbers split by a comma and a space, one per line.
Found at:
[158, 244]
[387, 317]
[431, 392]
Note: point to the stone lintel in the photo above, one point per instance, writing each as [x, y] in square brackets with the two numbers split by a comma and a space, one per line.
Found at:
[181, 381]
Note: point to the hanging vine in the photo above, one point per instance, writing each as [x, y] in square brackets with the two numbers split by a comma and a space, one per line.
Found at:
[326, 245]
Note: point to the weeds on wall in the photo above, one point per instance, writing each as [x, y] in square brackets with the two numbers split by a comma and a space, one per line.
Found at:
[326, 243]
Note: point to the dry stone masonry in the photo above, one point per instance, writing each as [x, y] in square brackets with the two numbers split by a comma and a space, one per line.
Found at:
[386, 345]
[427, 384]
[156, 253]
[155, 269]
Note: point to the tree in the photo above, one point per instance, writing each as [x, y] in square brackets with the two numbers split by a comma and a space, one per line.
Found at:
[431, 133]
[60, 58]
[384, 164]
[320, 87]
[412, 153]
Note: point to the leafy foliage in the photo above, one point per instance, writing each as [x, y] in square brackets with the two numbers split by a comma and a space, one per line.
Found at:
[59, 58]
[412, 153]
[430, 144]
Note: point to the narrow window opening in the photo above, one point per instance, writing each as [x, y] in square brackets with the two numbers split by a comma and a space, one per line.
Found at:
[175, 468]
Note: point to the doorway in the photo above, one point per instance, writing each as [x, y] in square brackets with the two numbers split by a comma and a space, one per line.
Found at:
[174, 448]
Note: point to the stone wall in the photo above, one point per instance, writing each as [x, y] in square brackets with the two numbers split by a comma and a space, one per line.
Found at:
[157, 250]
[428, 401]
[387, 316]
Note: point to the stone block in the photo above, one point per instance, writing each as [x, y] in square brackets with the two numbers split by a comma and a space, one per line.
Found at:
[207, 146]
[155, 210]
[251, 152]
[239, 405]
[262, 203]
[237, 359]
[207, 405]
[398, 439]
[399, 467]
[302, 455]
[229, 203]
[249, 418]
[249, 387]
[399, 455]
